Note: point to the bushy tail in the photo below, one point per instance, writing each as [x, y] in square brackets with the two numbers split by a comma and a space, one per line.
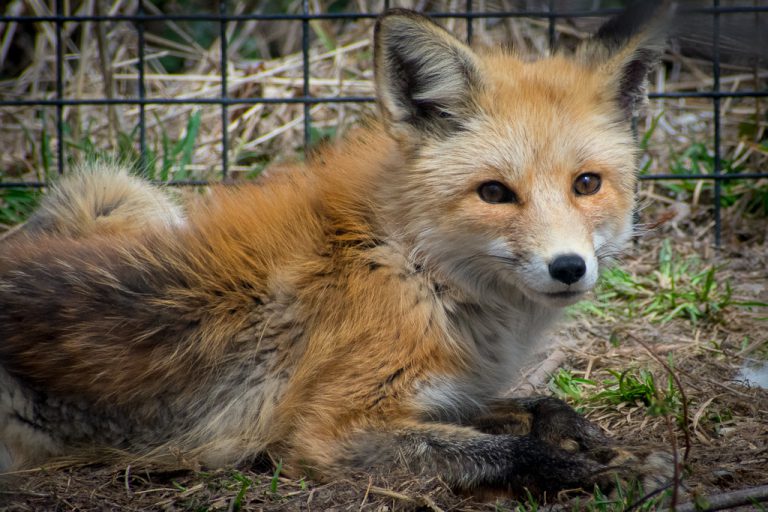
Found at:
[100, 197]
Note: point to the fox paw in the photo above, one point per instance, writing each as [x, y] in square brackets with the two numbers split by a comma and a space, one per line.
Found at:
[558, 424]
[547, 419]
[653, 469]
[563, 471]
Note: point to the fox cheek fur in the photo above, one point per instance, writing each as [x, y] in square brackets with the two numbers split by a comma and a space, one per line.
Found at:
[360, 312]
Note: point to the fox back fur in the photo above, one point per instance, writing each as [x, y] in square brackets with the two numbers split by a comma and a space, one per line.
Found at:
[365, 311]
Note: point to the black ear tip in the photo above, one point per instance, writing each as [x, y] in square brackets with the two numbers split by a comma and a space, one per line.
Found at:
[384, 16]
[396, 20]
[399, 12]
[635, 18]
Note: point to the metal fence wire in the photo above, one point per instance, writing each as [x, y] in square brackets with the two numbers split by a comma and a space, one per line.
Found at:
[550, 12]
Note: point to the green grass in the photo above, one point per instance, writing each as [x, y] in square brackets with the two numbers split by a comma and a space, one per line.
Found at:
[567, 386]
[276, 477]
[632, 386]
[636, 387]
[245, 484]
[17, 204]
[698, 158]
[166, 159]
[626, 496]
[681, 287]
[176, 156]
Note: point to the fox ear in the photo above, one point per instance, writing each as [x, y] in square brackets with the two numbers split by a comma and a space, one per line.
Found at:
[424, 75]
[626, 48]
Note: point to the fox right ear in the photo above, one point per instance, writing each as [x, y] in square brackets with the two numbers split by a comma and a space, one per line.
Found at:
[424, 75]
[626, 48]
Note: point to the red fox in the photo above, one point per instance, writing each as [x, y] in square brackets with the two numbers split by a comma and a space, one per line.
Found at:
[361, 312]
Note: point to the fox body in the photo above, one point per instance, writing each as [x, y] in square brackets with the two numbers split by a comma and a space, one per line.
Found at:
[364, 311]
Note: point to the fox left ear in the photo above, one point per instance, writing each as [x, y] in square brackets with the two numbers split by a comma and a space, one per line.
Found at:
[626, 48]
[424, 75]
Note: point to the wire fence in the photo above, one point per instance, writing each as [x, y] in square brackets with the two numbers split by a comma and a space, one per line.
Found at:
[223, 17]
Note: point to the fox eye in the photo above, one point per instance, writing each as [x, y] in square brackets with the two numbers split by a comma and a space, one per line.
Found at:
[587, 184]
[495, 192]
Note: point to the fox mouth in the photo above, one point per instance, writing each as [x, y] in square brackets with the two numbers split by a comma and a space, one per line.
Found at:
[568, 294]
[559, 299]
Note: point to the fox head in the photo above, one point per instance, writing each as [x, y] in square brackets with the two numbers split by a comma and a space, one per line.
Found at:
[519, 175]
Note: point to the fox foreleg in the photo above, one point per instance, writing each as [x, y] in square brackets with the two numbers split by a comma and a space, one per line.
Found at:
[553, 422]
[548, 419]
[469, 459]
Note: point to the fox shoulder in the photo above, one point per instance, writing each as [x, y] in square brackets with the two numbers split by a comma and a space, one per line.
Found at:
[101, 197]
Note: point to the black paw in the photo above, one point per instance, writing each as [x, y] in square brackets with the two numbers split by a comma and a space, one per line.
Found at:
[558, 424]
[558, 470]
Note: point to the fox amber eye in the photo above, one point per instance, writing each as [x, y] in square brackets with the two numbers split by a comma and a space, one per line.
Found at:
[495, 192]
[587, 184]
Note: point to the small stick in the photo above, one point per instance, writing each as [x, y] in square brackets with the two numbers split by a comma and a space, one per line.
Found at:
[392, 494]
[727, 500]
[25, 493]
[430, 504]
[127, 480]
[367, 492]
[686, 430]
[679, 385]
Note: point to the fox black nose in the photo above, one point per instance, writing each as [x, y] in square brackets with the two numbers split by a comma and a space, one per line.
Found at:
[568, 268]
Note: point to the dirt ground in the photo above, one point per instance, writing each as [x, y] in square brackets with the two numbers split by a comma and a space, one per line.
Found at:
[721, 419]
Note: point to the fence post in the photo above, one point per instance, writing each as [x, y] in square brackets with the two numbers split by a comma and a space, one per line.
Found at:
[60, 86]
[716, 111]
[143, 164]
[224, 93]
[305, 55]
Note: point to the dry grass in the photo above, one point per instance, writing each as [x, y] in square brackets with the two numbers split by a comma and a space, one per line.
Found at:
[183, 61]
[725, 419]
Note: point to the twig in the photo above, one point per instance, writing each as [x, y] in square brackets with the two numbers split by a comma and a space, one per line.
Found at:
[637, 504]
[127, 480]
[727, 500]
[424, 501]
[367, 492]
[183, 494]
[392, 494]
[686, 431]
[158, 489]
[679, 384]
[309, 499]
[25, 493]
[676, 478]
[541, 374]
[430, 504]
